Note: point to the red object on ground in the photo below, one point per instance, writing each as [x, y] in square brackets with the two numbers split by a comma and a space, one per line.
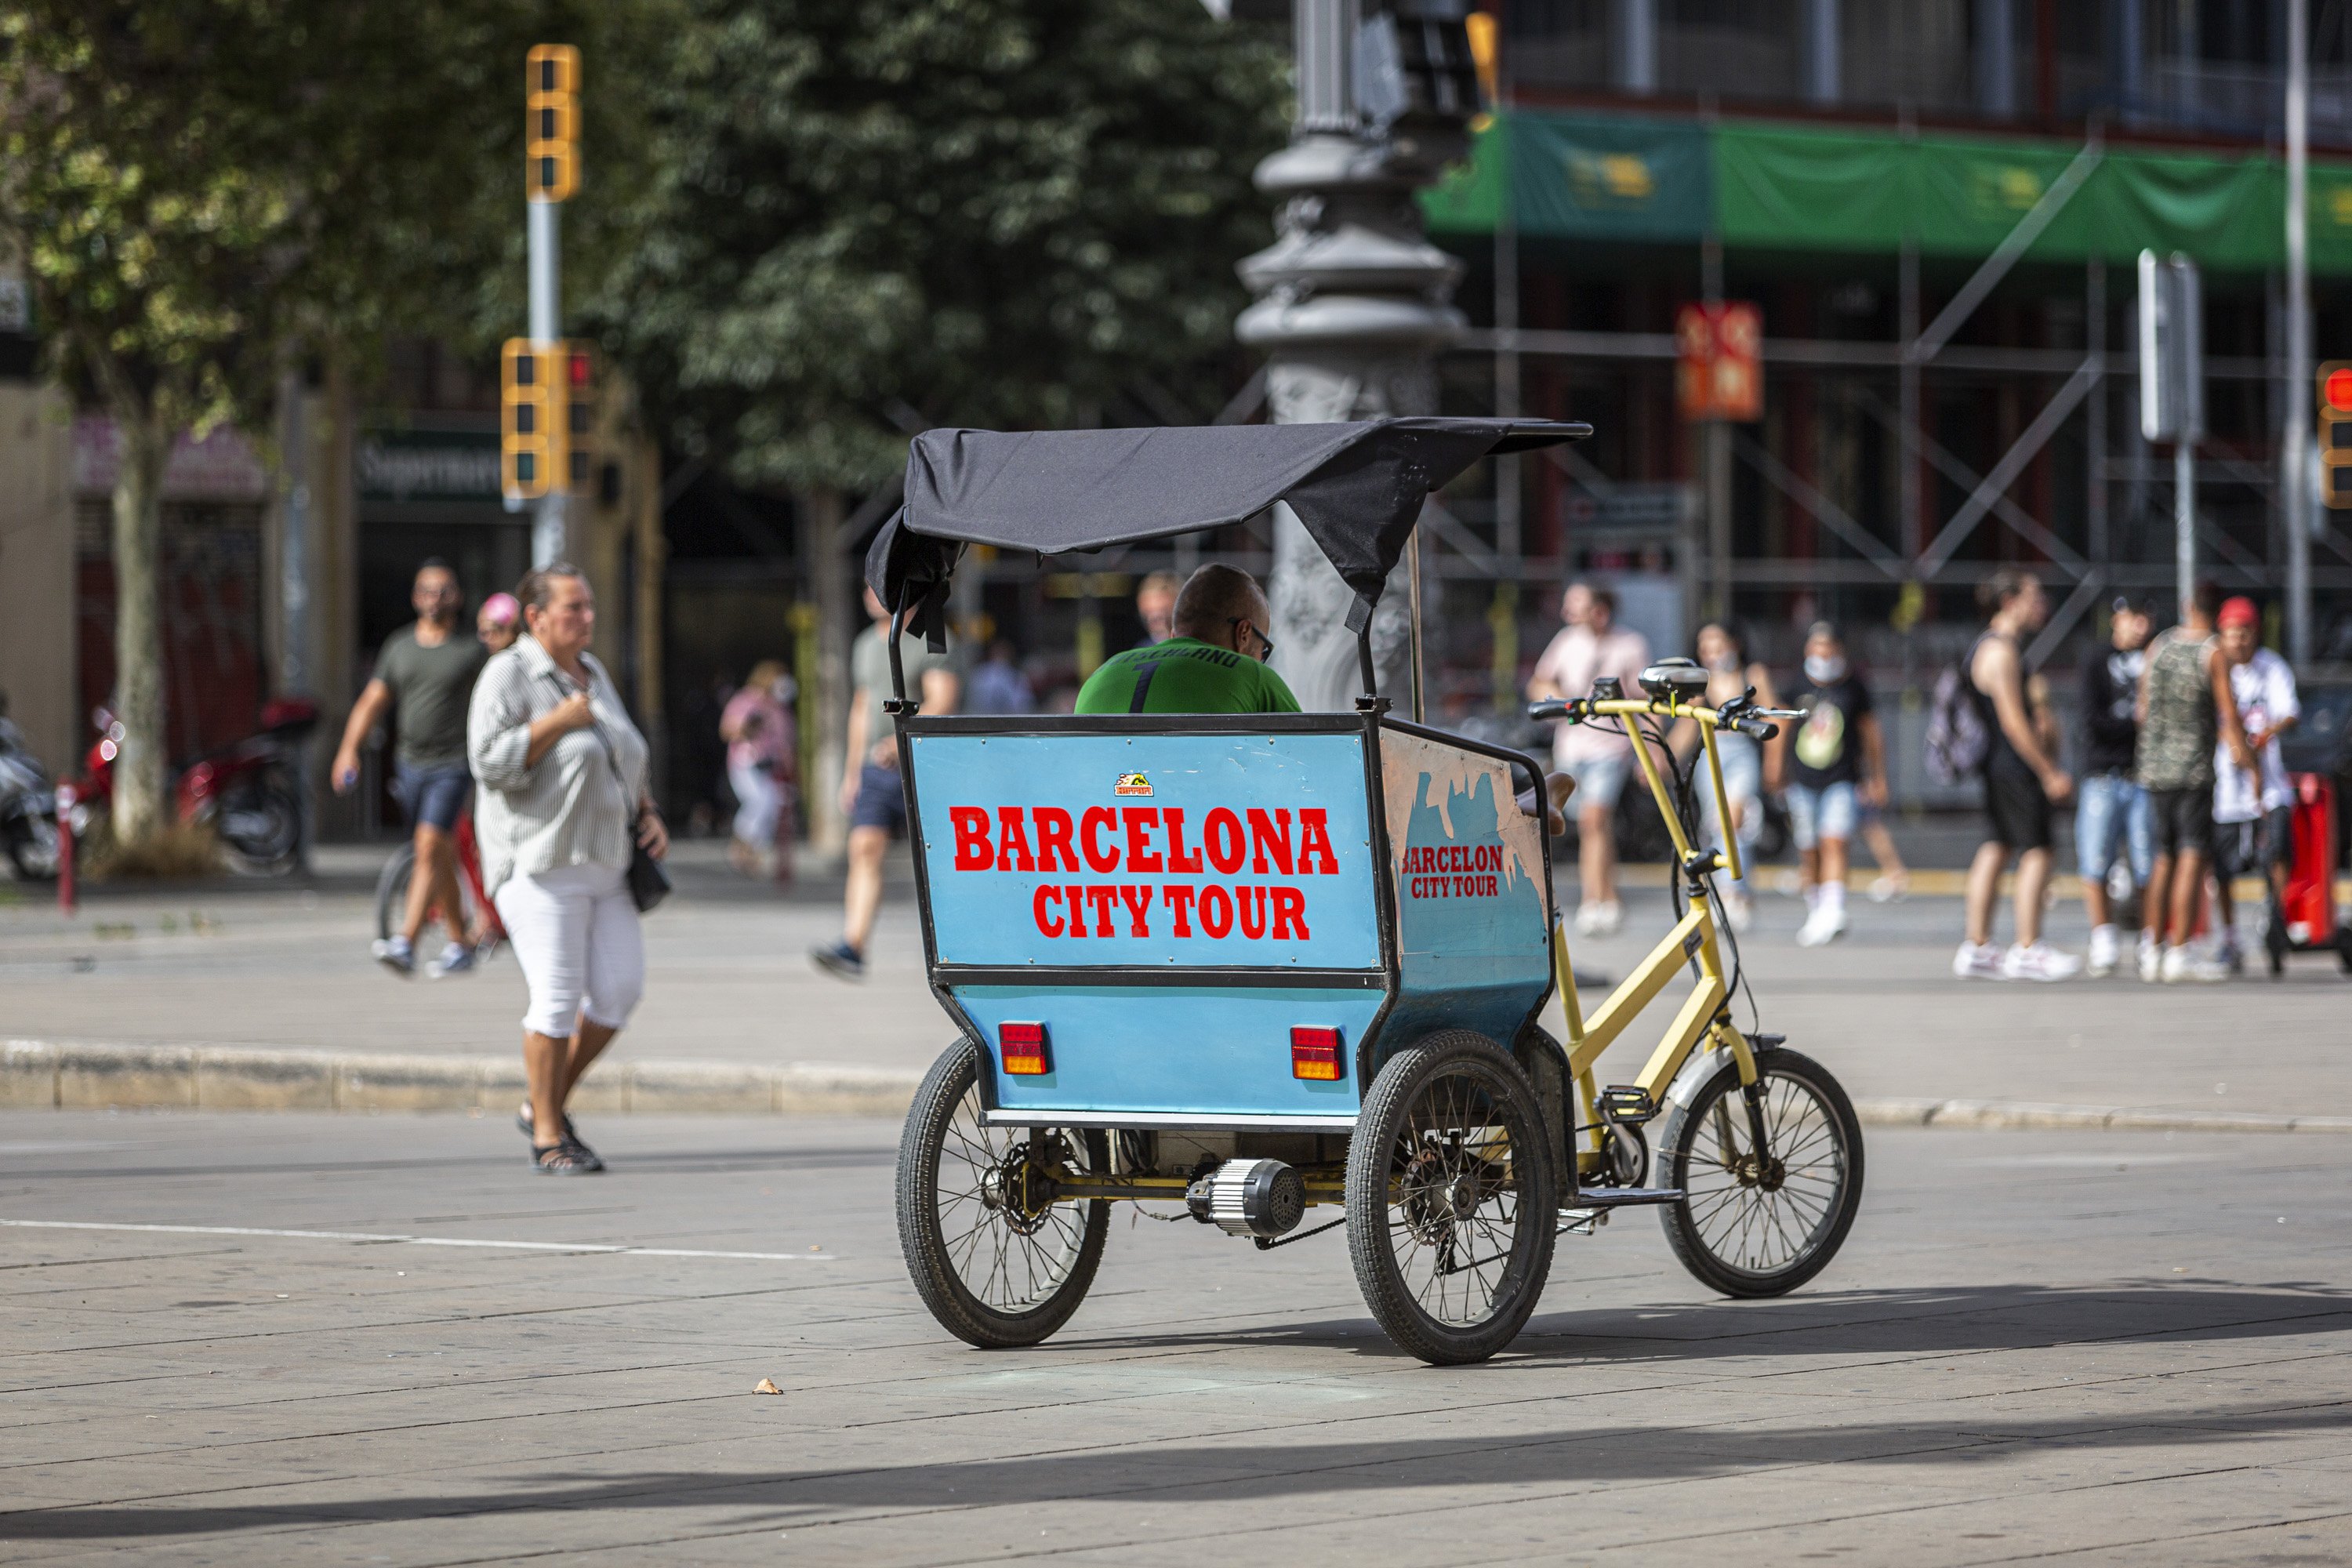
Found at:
[2309, 898]
[65, 849]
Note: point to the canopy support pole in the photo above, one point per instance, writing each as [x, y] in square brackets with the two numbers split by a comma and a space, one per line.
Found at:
[1412, 569]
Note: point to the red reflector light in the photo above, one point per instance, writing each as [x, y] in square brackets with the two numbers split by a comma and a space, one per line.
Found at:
[1024, 1049]
[1315, 1053]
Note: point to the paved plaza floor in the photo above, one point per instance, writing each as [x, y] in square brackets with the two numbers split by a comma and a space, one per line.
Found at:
[363, 1348]
[729, 979]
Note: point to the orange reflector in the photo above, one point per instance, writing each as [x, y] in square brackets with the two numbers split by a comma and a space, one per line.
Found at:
[1024, 1049]
[1315, 1053]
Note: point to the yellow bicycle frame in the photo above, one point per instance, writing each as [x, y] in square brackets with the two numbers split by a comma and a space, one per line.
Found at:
[1706, 1013]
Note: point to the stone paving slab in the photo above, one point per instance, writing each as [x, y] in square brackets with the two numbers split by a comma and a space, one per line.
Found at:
[2121, 1346]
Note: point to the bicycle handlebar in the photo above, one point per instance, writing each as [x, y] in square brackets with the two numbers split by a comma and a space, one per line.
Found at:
[1734, 715]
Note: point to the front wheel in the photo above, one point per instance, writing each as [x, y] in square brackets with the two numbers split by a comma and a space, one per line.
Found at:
[261, 823]
[997, 1258]
[1451, 1192]
[1761, 1222]
[33, 846]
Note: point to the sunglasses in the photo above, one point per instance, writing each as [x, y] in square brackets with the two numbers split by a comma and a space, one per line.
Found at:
[1265, 641]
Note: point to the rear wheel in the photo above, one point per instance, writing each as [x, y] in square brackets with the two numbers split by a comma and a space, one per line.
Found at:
[998, 1260]
[1451, 1192]
[1761, 1223]
[260, 821]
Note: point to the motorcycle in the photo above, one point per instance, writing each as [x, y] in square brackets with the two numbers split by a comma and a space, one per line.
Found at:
[250, 792]
[28, 811]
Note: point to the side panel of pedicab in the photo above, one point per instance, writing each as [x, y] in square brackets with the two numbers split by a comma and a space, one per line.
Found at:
[1111, 863]
[1472, 908]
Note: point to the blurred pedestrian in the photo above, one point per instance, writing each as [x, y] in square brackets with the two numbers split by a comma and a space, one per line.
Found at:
[1750, 770]
[2113, 817]
[498, 622]
[422, 680]
[1590, 645]
[757, 725]
[1837, 757]
[998, 686]
[2185, 705]
[2022, 784]
[564, 804]
[1155, 603]
[2253, 809]
[873, 796]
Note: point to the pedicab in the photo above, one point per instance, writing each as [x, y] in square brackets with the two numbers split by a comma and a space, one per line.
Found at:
[1266, 964]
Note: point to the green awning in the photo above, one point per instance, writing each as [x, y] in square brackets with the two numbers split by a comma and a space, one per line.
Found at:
[1778, 187]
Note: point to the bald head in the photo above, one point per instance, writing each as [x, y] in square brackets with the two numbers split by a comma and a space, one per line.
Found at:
[1222, 605]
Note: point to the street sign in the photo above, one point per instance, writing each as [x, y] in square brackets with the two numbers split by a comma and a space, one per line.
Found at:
[2171, 348]
[2336, 434]
[551, 123]
[1720, 372]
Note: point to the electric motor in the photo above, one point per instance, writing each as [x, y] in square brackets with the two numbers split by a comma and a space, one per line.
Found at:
[1253, 1197]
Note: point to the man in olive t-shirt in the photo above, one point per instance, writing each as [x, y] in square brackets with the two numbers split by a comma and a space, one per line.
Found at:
[1215, 664]
[424, 679]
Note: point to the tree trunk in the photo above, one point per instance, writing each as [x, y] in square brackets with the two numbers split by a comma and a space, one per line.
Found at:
[827, 695]
[141, 800]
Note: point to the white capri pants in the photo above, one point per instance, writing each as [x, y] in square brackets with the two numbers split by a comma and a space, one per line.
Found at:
[761, 802]
[575, 935]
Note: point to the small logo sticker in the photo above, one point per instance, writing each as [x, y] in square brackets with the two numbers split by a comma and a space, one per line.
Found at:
[1131, 783]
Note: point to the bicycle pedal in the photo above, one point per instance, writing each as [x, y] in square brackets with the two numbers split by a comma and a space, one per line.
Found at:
[1627, 1104]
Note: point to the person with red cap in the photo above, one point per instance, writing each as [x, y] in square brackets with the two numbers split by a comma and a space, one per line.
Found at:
[2253, 808]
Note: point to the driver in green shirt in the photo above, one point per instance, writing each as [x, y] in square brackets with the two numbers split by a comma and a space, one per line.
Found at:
[1215, 664]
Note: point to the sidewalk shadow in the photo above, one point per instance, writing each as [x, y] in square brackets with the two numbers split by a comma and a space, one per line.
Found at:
[1222, 1472]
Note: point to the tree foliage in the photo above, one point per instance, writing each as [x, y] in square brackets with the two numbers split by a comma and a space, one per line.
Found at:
[868, 215]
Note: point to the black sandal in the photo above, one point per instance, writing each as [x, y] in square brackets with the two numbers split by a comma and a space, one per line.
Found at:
[524, 1125]
[564, 1160]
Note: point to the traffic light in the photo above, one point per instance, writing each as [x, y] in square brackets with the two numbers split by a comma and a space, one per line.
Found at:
[2336, 434]
[552, 134]
[530, 432]
[1485, 54]
[578, 398]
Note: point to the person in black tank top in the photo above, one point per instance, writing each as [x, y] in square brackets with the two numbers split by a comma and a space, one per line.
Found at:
[2023, 783]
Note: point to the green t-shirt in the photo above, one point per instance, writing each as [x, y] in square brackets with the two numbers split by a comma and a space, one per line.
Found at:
[1184, 674]
[430, 689]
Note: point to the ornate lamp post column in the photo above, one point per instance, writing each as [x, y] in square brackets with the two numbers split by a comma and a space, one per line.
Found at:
[1353, 302]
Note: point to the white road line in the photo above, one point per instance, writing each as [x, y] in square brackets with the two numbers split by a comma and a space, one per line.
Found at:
[417, 1241]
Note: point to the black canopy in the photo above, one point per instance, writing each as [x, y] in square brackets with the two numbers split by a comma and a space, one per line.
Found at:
[1358, 488]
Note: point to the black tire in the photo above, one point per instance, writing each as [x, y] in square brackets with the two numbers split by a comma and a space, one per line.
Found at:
[1417, 1185]
[391, 891]
[260, 822]
[1055, 1249]
[1732, 1234]
[34, 847]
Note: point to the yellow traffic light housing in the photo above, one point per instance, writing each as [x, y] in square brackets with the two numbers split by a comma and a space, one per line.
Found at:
[531, 442]
[551, 133]
[2336, 434]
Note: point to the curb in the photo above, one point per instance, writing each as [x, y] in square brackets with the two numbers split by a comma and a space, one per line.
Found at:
[2010, 1115]
[37, 1075]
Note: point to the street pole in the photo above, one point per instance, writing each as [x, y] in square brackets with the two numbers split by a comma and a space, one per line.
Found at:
[2184, 514]
[2294, 450]
[1352, 303]
[549, 541]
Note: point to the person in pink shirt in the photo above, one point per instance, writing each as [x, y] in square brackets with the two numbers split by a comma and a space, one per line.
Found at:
[758, 729]
[1597, 756]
